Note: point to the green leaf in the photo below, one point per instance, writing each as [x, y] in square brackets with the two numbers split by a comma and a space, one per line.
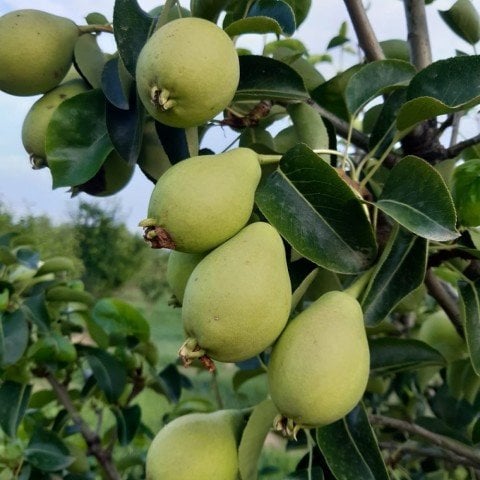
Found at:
[14, 336]
[416, 196]
[470, 311]
[128, 421]
[392, 355]
[77, 141]
[13, 404]
[89, 59]
[47, 452]
[445, 86]
[109, 373]
[265, 78]
[300, 9]
[309, 126]
[463, 19]
[250, 25]
[337, 41]
[396, 49]
[279, 10]
[311, 206]
[95, 18]
[132, 27]
[116, 83]
[350, 448]
[119, 319]
[242, 376]
[208, 9]
[374, 79]
[399, 271]
[172, 382]
[465, 186]
[253, 438]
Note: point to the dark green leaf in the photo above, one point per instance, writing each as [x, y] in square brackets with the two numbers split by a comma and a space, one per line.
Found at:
[109, 373]
[208, 9]
[14, 336]
[400, 270]
[350, 448]
[311, 206]
[279, 10]
[265, 78]
[172, 382]
[465, 185]
[128, 421]
[337, 41]
[47, 452]
[13, 404]
[300, 9]
[470, 310]
[439, 427]
[89, 59]
[253, 438]
[37, 312]
[445, 86]
[175, 142]
[309, 126]
[374, 79]
[28, 258]
[96, 18]
[242, 376]
[462, 18]
[396, 49]
[415, 195]
[116, 84]
[77, 141]
[250, 25]
[390, 355]
[132, 27]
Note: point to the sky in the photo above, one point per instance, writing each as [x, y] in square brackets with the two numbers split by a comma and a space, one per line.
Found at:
[25, 191]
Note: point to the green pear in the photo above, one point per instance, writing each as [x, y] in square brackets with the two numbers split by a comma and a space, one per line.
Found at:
[200, 446]
[238, 298]
[319, 367]
[34, 128]
[200, 202]
[179, 268]
[187, 72]
[36, 51]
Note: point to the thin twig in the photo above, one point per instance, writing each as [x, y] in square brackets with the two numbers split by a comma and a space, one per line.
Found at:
[456, 149]
[418, 37]
[95, 29]
[365, 33]
[441, 441]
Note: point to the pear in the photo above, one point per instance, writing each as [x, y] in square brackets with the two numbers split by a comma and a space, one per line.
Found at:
[200, 446]
[34, 128]
[200, 202]
[179, 268]
[238, 298]
[319, 366]
[36, 51]
[187, 72]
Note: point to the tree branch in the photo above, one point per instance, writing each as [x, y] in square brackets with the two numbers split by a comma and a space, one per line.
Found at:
[441, 441]
[456, 149]
[418, 38]
[91, 438]
[365, 33]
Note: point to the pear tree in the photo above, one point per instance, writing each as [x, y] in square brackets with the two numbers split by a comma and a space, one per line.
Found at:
[327, 261]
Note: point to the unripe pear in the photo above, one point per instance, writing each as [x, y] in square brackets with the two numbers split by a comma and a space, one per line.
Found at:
[36, 51]
[319, 367]
[200, 202]
[34, 128]
[179, 268]
[200, 446]
[238, 298]
[187, 72]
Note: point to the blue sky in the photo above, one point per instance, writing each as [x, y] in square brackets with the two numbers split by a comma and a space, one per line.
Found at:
[25, 190]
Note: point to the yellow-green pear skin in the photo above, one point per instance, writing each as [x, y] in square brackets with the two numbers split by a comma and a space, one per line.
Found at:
[34, 128]
[200, 446]
[179, 268]
[36, 51]
[238, 298]
[203, 201]
[319, 366]
[187, 72]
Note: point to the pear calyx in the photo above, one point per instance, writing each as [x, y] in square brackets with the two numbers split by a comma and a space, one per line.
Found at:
[161, 99]
[286, 426]
[191, 350]
[156, 236]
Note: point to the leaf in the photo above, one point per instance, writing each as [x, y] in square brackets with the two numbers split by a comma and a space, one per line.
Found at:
[174, 141]
[300, 9]
[265, 78]
[128, 421]
[242, 376]
[415, 195]
[253, 438]
[445, 86]
[470, 311]
[392, 355]
[374, 79]
[116, 83]
[47, 452]
[208, 9]
[350, 448]
[309, 126]
[132, 27]
[462, 18]
[13, 404]
[312, 207]
[28, 258]
[14, 336]
[172, 382]
[77, 141]
[109, 373]
[279, 10]
[465, 185]
[251, 25]
[36, 311]
[119, 319]
[95, 18]
[89, 59]
[399, 271]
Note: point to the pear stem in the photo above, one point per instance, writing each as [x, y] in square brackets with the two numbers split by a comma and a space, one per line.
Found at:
[265, 159]
[163, 18]
[95, 29]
